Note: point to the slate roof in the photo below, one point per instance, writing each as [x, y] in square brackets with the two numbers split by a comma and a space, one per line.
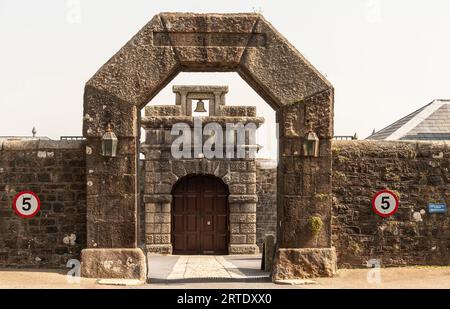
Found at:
[431, 122]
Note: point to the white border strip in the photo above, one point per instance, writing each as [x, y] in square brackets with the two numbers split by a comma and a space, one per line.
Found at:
[179, 269]
[232, 270]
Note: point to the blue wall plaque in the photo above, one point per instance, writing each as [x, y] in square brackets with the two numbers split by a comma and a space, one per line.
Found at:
[434, 208]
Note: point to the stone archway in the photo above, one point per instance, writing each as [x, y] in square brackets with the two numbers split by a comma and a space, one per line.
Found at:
[244, 43]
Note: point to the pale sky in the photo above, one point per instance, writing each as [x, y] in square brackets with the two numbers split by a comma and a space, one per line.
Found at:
[385, 58]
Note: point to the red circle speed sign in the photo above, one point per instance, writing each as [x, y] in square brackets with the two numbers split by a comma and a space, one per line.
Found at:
[26, 204]
[385, 203]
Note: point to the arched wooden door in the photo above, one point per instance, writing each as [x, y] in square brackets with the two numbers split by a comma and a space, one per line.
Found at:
[200, 216]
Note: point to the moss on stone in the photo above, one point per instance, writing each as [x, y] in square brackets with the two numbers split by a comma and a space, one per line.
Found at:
[355, 248]
[315, 224]
[395, 192]
[342, 159]
[321, 196]
[340, 175]
[295, 102]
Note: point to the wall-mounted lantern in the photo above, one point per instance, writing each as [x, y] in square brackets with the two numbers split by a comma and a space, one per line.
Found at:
[311, 144]
[109, 143]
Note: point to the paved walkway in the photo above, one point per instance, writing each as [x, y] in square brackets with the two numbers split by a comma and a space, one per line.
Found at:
[200, 268]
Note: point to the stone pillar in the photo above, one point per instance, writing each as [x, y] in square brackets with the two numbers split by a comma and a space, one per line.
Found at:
[243, 225]
[158, 223]
[241, 181]
[217, 103]
[188, 108]
[242, 201]
[269, 252]
[158, 186]
[184, 108]
[304, 192]
[112, 191]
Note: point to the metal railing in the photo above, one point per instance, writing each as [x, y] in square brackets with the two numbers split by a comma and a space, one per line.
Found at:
[72, 138]
[345, 137]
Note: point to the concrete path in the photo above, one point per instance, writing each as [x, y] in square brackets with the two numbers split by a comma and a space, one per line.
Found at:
[202, 268]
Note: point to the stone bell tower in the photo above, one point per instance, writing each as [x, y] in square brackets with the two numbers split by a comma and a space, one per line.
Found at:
[209, 228]
[214, 94]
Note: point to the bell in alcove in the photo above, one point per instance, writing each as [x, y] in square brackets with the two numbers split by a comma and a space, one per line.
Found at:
[200, 108]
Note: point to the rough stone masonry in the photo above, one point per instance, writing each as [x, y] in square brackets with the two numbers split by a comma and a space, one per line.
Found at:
[243, 43]
[56, 172]
[418, 172]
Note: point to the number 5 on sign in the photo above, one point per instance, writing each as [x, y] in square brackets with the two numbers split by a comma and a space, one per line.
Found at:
[26, 204]
[385, 203]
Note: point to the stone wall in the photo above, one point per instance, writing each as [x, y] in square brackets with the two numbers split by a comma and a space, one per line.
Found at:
[418, 172]
[55, 171]
[266, 208]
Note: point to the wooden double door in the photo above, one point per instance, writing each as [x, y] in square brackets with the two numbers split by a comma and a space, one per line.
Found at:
[200, 216]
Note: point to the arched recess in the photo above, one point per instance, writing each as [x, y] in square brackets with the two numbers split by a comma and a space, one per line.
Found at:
[244, 43]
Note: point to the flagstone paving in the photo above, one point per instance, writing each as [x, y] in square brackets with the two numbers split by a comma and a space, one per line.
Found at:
[206, 267]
